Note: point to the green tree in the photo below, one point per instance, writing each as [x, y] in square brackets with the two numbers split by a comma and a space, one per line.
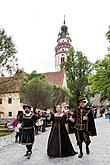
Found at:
[100, 80]
[77, 68]
[60, 95]
[8, 61]
[37, 92]
[40, 93]
[108, 35]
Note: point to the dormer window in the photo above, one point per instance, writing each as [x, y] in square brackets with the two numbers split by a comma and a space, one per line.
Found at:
[0, 100]
[9, 100]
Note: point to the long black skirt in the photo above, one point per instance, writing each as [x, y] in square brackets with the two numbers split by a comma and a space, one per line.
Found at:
[59, 144]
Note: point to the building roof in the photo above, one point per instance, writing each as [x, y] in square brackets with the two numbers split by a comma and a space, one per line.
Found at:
[12, 84]
[56, 78]
[9, 84]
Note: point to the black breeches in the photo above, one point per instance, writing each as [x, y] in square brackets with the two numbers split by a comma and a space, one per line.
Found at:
[16, 136]
[82, 135]
[29, 148]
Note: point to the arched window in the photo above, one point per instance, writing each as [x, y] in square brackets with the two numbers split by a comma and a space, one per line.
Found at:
[62, 60]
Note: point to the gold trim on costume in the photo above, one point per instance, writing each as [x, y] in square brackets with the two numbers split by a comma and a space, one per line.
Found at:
[27, 127]
[59, 138]
[27, 117]
[26, 143]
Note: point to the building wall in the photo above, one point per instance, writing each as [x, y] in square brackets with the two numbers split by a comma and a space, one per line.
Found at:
[65, 81]
[58, 60]
[7, 107]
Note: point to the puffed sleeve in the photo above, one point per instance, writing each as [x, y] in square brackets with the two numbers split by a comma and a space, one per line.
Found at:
[74, 114]
[35, 119]
[20, 117]
[51, 118]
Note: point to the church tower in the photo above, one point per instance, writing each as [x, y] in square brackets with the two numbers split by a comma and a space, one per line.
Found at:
[64, 44]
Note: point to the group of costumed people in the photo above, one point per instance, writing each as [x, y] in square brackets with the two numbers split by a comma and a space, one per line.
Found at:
[59, 143]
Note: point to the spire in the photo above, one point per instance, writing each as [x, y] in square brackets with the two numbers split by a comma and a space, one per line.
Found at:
[64, 19]
[64, 28]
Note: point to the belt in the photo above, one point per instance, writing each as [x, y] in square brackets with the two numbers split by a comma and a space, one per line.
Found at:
[80, 126]
[27, 127]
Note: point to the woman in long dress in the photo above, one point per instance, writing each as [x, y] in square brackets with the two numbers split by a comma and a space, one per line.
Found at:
[59, 144]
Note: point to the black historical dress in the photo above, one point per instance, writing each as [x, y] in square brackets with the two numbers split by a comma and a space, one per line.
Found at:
[59, 144]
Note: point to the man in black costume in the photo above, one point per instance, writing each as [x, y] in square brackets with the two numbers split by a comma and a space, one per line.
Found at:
[28, 120]
[84, 126]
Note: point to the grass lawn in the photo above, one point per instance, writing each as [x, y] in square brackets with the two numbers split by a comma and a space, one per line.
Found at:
[4, 133]
[1, 126]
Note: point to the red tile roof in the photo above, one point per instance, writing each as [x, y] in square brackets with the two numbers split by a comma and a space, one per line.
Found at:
[56, 78]
[9, 84]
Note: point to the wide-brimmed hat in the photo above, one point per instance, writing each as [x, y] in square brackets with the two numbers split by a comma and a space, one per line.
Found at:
[82, 99]
[27, 106]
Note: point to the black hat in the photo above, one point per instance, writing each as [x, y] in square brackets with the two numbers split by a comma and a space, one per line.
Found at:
[27, 106]
[82, 99]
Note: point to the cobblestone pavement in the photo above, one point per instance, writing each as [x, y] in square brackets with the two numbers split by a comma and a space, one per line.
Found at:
[12, 153]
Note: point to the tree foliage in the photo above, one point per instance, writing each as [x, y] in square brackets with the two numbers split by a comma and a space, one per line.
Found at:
[108, 35]
[77, 68]
[100, 80]
[60, 95]
[8, 61]
[40, 93]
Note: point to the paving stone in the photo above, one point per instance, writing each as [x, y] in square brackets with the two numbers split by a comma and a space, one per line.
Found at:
[13, 153]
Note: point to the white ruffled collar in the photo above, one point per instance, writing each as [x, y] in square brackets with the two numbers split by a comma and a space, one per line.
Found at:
[28, 114]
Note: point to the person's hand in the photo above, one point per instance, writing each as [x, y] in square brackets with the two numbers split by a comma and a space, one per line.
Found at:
[84, 117]
[71, 119]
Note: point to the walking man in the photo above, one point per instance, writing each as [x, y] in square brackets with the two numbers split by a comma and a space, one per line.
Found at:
[28, 120]
[84, 126]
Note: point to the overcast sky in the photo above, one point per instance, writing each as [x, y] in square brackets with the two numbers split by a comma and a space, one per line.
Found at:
[35, 24]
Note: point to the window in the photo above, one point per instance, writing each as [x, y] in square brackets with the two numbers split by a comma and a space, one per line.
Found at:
[10, 114]
[9, 100]
[62, 59]
[21, 99]
[0, 100]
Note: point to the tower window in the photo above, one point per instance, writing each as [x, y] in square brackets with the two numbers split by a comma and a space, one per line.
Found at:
[0, 100]
[9, 100]
[62, 60]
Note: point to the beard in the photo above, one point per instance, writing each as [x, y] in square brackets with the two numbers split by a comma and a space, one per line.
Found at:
[27, 112]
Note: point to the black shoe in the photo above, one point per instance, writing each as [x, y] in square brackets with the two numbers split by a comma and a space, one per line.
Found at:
[75, 153]
[87, 151]
[16, 140]
[26, 153]
[80, 155]
[29, 155]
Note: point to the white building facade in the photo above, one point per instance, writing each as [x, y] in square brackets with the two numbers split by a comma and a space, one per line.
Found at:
[9, 105]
